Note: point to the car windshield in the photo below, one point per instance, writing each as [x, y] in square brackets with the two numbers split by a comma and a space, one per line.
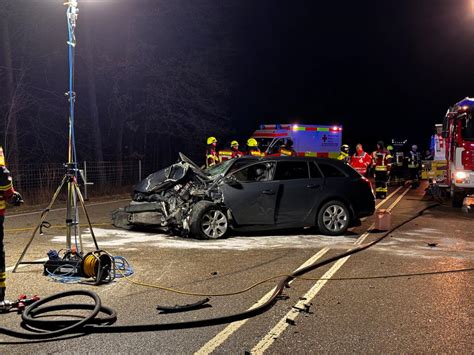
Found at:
[219, 168]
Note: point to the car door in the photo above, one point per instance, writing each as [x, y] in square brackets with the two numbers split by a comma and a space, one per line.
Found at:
[251, 195]
[298, 191]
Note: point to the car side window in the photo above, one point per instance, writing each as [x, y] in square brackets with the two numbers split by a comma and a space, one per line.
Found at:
[330, 171]
[314, 172]
[254, 173]
[291, 170]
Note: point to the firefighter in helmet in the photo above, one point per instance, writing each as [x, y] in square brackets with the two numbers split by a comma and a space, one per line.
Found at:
[252, 148]
[234, 147]
[212, 157]
[344, 154]
[382, 163]
[414, 166]
[7, 193]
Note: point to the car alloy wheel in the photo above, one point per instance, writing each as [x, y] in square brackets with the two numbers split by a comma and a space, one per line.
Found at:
[335, 218]
[214, 224]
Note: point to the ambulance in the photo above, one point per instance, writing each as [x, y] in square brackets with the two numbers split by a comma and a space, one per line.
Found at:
[308, 140]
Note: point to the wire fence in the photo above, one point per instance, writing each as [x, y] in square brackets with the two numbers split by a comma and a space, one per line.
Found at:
[37, 182]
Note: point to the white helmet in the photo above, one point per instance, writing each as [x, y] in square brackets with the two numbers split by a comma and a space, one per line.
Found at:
[414, 147]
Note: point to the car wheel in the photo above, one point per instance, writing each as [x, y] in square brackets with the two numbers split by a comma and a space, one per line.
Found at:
[208, 221]
[333, 218]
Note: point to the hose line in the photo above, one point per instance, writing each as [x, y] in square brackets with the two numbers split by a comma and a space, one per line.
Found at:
[49, 329]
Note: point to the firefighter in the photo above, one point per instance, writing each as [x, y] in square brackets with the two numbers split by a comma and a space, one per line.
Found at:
[287, 149]
[344, 154]
[234, 147]
[212, 157]
[252, 148]
[414, 166]
[7, 193]
[382, 163]
[360, 160]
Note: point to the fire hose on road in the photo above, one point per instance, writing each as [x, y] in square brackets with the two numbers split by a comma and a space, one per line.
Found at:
[51, 329]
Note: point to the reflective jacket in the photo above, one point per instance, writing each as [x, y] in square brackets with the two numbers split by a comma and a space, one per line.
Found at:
[344, 157]
[414, 160]
[212, 158]
[361, 162]
[6, 188]
[382, 160]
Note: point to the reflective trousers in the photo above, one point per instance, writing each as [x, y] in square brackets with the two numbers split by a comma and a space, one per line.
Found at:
[3, 274]
[381, 180]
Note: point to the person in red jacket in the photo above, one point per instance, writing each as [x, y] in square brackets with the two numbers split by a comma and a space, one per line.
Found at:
[360, 160]
[234, 147]
[7, 193]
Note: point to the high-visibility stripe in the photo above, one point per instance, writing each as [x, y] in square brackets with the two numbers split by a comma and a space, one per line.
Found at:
[381, 189]
[2, 284]
[3, 274]
[381, 168]
[6, 187]
[3, 205]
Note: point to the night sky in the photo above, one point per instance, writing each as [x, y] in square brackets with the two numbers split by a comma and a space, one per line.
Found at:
[382, 69]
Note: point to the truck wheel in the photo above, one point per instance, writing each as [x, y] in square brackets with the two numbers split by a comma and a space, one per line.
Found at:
[208, 221]
[333, 218]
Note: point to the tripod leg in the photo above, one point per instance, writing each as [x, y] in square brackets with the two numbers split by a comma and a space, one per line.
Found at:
[81, 199]
[43, 217]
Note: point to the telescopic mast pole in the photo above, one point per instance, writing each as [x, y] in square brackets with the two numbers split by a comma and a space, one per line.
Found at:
[72, 210]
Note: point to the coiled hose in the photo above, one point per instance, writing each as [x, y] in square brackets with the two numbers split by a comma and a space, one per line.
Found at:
[49, 329]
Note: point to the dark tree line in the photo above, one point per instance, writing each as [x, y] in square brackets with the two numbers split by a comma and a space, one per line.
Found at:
[152, 78]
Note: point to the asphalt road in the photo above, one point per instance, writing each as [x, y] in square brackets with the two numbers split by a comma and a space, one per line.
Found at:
[399, 296]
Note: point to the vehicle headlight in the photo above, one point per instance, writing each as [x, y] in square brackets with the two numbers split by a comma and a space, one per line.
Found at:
[460, 175]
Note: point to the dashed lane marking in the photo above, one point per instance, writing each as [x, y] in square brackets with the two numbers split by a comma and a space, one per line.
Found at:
[222, 336]
[291, 316]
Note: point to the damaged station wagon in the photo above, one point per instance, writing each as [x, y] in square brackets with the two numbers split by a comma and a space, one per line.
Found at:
[249, 194]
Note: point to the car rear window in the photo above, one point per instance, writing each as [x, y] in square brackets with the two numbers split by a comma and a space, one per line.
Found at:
[331, 171]
[291, 170]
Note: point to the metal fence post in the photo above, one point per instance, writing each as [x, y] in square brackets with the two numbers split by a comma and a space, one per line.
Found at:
[140, 170]
[86, 197]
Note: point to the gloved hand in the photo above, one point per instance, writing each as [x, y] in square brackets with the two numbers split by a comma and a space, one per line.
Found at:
[16, 199]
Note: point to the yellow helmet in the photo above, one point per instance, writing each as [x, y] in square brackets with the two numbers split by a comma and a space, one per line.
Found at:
[234, 144]
[252, 142]
[211, 140]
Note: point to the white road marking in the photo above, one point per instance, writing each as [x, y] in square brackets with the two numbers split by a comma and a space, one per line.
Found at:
[64, 208]
[222, 336]
[281, 326]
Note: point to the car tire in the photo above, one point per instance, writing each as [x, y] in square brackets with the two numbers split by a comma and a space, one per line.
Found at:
[333, 218]
[208, 221]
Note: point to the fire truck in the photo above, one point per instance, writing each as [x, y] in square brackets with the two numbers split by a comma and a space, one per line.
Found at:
[458, 130]
[308, 140]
